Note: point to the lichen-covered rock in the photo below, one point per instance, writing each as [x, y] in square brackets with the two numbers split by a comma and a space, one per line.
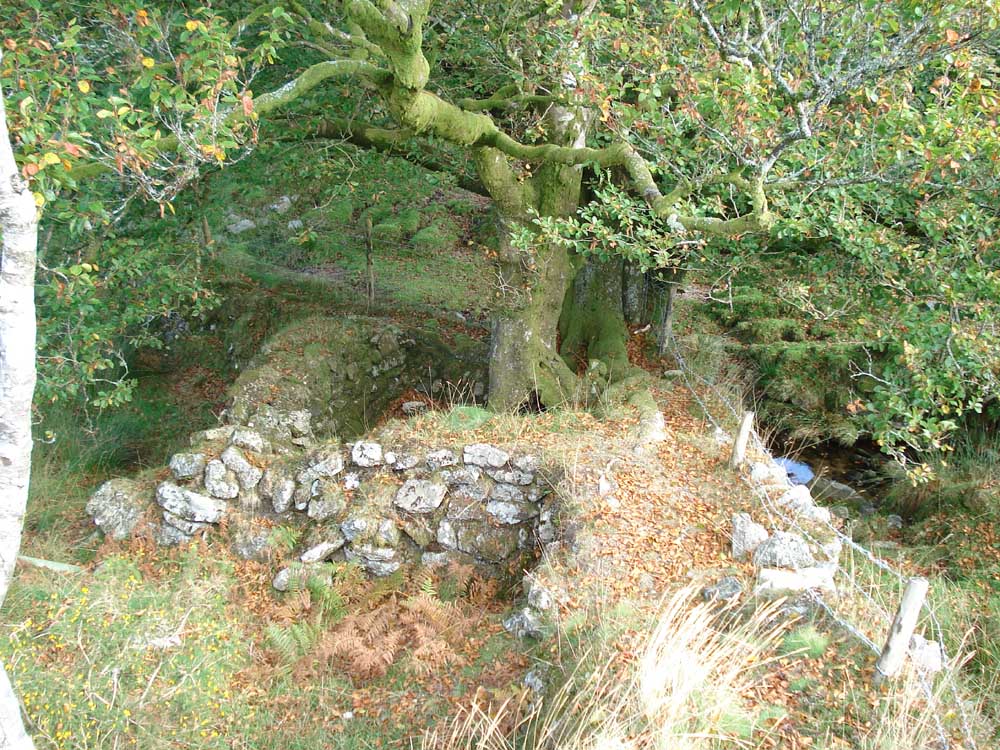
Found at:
[252, 544]
[461, 475]
[116, 507]
[323, 550]
[728, 589]
[191, 506]
[323, 464]
[524, 624]
[220, 481]
[486, 542]
[244, 437]
[420, 495]
[378, 561]
[440, 459]
[223, 432]
[783, 550]
[528, 464]
[246, 473]
[419, 528]
[170, 536]
[485, 455]
[511, 476]
[747, 535]
[355, 527]
[447, 536]
[405, 462]
[327, 501]
[352, 480]
[366, 454]
[278, 487]
[507, 493]
[413, 407]
[511, 513]
[187, 465]
[189, 528]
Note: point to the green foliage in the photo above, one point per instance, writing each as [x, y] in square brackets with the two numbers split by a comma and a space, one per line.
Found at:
[806, 641]
[467, 418]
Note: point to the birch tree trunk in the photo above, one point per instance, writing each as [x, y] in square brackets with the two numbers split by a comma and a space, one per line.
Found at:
[19, 237]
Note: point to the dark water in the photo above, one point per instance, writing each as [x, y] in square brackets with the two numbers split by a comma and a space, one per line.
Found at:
[858, 467]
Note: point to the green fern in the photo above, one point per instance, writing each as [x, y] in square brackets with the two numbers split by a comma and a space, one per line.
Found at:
[292, 641]
[285, 538]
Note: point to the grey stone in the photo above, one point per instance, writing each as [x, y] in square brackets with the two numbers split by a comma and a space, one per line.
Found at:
[783, 550]
[775, 582]
[116, 507]
[190, 528]
[528, 464]
[534, 680]
[420, 495]
[246, 473]
[539, 597]
[300, 423]
[251, 544]
[747, 535]
[507, 493]
[324, 463]
[832, 549]
[278, 488]
[510, 513]
[239, 226]
[439, 459]
[323, 550]
[524, 624]
[511, 476]
[405, 462]
[388, 533]
[187, 465]
[295, 225]
[244, 437]
[327, 502]
[189, 505]
[461, 475]
[220, 481]
[840, 511]
[352, 480]
[447, 536]
[486, 542]
[366, 454]
[353, 528]
[485, 455]
[726, 590]
[796, 496]
[378, 561]
[894, 522]
[288, 578]
[170, 536]
[223, 432]
[831, 491]
[283, 205]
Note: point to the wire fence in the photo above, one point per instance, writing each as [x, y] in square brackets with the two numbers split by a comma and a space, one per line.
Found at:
[868, 619]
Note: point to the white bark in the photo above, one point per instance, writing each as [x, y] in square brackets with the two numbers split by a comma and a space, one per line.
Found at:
[898, 641]
[19, 236]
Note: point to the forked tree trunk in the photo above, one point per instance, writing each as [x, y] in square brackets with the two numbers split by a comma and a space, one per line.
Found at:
[19, 238]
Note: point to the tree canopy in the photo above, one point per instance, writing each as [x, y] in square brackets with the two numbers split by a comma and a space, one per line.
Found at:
[674, 135]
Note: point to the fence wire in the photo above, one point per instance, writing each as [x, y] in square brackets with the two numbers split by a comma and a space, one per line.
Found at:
[769, 495]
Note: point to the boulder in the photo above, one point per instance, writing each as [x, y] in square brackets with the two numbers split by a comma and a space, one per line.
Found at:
[252, 544]
[327, 501]
[188, 528]
[783, 550]
[378, 561]
[170, 536]
[726, 590]
[246, 473]
[507, 493]
[277, 487]
[323, 464]
[366, 454]
[485, 455]
[524, 624]
[187, 465]
[220, 481]
[405, 462]
[511, 476]
[747, 535]
[116, 507]
[461, 475]
[413, 407]
[439, 459]
[528, 464]
[833, 492]
[420, 495]
[323, 550]
[511, 513]
[244, 437]
[191, 506]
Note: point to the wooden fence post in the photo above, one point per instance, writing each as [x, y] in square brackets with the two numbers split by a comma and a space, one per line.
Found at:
[742, 437]
[898, 642]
